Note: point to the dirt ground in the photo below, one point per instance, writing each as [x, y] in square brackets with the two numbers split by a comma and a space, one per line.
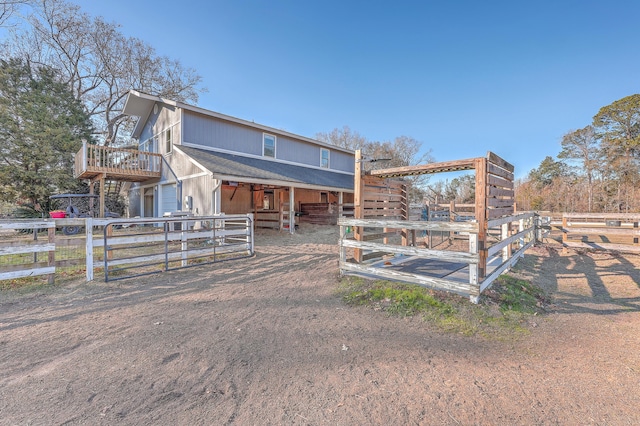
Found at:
[266, 341]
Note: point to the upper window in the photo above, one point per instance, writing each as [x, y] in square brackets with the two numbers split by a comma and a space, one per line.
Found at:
[168, 144]
[324, 158]
[268, 145]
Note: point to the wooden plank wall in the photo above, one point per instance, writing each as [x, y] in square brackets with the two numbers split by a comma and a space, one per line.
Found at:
[383, 198]
[319, 213]
[500, 193]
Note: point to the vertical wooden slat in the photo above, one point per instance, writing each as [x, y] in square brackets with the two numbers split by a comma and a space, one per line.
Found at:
[480, 165]
[358, 204]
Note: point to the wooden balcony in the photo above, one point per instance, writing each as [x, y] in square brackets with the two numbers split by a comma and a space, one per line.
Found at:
[130, 165]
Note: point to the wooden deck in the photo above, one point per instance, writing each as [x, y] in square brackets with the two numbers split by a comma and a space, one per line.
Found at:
[130, 165]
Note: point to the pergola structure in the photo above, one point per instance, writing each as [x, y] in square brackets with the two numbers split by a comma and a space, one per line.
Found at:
[380, 202]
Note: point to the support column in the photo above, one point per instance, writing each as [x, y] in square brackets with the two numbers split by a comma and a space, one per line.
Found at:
[292, 210]
[102, 189]
[217, 196]
[481, 214]
[358, 204]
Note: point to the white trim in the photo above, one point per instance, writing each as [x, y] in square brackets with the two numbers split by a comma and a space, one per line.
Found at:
[169, 131]
[193, 161]
[243, 154]
[266, 136]
[195, 175]
[328, 151]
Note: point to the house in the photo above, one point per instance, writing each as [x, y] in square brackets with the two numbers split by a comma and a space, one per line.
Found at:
[214, 163]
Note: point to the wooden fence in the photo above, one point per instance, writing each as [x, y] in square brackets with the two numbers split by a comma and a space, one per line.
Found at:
[25, 252]
[604, 231]
[387, 256]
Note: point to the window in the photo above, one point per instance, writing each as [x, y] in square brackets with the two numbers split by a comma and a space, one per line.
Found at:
[268, 145]
[324, 158]
[168, 145]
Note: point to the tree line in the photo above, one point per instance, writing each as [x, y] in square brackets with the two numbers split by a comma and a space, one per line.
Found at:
[597, 169]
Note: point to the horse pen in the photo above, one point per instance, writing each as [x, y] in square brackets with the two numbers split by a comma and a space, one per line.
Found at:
[385, 243]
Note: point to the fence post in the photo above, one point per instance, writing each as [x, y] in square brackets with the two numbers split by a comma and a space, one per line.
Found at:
[565, 237]
[521, 229]
[473, 267]
[89, 248]
[506, 251]
[51, 258]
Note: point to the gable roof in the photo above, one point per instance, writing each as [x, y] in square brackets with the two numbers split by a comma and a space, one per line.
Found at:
[239, 168]
[140, 105]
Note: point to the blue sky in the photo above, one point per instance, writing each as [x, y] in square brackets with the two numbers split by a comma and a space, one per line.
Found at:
[461, 77]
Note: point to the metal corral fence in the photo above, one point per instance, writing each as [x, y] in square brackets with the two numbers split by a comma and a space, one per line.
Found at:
[38, 249]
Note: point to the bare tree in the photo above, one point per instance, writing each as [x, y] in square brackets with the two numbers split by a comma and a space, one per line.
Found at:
[100, 64]
[8, 9]
[344, 138]
[402, 151]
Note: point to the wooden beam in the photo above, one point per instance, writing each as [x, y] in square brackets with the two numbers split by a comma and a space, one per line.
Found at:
[446, 166]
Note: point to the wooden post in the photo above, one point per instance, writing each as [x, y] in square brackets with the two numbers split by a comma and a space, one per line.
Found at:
[292, 210]
[51, 258]
[358, 204]
[281, 204]
[102, 189]
[565, 236]
[89, 248]
[342, 250]
[506, 251]
[405, 214]
[480, 165]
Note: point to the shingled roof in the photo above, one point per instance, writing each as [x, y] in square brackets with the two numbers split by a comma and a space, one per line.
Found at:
[255, 170]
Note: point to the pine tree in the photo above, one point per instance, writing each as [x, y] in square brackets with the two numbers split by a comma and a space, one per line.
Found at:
[41, 126]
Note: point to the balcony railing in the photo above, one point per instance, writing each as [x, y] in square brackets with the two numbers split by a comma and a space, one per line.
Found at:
[130, 165]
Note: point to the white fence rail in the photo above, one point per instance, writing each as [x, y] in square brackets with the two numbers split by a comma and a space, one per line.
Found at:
[512, 234]
[117, 244]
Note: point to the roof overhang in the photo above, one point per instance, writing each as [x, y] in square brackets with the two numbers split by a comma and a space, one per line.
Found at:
[140, 105]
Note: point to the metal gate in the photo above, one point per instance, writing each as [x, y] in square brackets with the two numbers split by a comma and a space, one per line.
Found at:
[135, 247]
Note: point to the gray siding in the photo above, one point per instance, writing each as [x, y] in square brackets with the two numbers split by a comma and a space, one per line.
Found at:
[341, 161]
[211, 132]
[201, 189]
[167, 117]
[215, 133]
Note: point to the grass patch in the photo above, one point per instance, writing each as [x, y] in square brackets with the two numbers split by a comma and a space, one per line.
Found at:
[505, 311]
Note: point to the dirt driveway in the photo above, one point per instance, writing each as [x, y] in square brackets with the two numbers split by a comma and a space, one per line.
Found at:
[267, 341]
